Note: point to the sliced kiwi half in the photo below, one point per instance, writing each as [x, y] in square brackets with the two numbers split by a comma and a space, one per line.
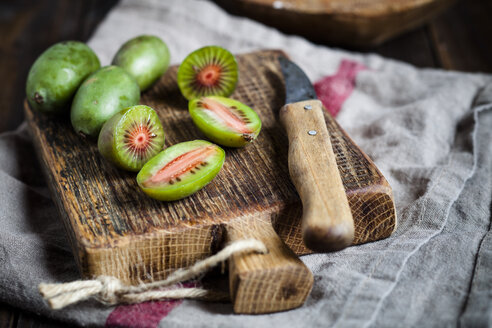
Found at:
[181, 170]
[131, 137]
[225, 121]
[210, 70]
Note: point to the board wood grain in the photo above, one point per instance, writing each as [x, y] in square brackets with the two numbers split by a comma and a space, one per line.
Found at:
[117, 230]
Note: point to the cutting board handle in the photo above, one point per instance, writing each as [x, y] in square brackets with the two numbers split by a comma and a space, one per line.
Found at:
[327, 223]
[264, 283]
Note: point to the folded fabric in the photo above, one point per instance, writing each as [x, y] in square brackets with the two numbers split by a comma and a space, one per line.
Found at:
[427, 130]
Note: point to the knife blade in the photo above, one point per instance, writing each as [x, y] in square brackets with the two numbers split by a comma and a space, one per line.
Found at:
[327, 223]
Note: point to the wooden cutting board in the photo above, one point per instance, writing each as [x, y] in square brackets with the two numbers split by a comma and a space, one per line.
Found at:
[115, 229]
[362, 23]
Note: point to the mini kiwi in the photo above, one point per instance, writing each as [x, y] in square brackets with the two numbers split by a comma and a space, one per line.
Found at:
[104, 93]
[208, 71]
[225, 121]
[145, 57]
[131, 137]
[181, 170]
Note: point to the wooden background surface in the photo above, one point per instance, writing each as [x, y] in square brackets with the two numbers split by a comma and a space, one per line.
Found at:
[458, 39]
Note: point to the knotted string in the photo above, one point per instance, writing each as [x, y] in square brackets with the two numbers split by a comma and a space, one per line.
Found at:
[110, 290]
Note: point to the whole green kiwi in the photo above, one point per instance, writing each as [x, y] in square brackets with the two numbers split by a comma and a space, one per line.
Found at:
[101, 95]
[145, 57]
[57, 73]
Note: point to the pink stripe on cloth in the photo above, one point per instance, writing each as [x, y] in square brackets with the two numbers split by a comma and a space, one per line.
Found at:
[145, 314]
[333, 90]
[141, 315]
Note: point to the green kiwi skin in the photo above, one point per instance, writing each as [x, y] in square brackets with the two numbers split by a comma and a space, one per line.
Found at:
[201, 54]
[57, 73]
[100, 96]
[221, 134]
[187, 186]
[107, 141]
[145, 57]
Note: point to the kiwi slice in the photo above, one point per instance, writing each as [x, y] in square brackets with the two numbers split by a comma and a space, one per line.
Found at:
[208, 71]
[225, 121]
[181, 170]
[131, 137]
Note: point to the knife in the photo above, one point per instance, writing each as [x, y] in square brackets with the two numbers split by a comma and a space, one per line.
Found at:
[327, 223]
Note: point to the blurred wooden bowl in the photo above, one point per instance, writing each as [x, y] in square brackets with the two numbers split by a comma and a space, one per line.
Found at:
[362, 23]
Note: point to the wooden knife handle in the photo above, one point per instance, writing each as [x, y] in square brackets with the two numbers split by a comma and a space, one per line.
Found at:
[264, 283]
[327, 223]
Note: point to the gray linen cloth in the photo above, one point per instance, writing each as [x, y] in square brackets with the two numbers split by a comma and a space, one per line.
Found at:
[429, 131]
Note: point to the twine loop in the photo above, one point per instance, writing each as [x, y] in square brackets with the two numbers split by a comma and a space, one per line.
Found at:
[110, 290]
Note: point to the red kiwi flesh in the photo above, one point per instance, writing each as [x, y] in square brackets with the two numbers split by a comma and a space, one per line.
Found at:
[210, 70]
[225, 121]
[131, 137]
[181, 170]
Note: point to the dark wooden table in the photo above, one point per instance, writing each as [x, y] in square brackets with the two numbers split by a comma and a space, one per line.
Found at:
[459, 39]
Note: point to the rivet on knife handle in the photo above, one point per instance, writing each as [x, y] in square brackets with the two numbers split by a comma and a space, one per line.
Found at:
[327, 223]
